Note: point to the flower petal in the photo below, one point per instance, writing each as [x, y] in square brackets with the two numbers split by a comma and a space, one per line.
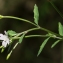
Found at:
[1, 36]
[4, 44]
[5, 39]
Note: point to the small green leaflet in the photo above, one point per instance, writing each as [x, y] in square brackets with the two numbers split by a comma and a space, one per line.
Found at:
[8, 56]
[55, 43]
[2, 50]
[42, 45]
[60, 29]
[11, 33]
[36, 14]
[21, 38]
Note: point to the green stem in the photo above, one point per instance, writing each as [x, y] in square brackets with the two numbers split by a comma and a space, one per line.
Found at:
[26, 31]
[56, 9]
[28, 36]
[19, 19]
[38, 27]
[37, 35]
[41, 28]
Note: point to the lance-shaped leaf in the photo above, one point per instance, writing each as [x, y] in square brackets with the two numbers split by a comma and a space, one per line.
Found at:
[2, 50]
[8, 56]
[60, 29]
[42, 46]
[11, 33]
[21, 38]
[56, 42]
[36, 14]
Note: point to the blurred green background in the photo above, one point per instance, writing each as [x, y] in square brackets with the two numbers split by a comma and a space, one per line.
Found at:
[49, 18]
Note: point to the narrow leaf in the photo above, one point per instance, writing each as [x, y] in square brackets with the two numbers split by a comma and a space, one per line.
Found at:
[60, 29]
[36, 14]
[2, 50]
[21, 38]
[8, 56]
[55, 43]
[42, 46]
[11, 33]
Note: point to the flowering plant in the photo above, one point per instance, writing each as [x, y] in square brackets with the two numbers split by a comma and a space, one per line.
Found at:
[11, 35]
